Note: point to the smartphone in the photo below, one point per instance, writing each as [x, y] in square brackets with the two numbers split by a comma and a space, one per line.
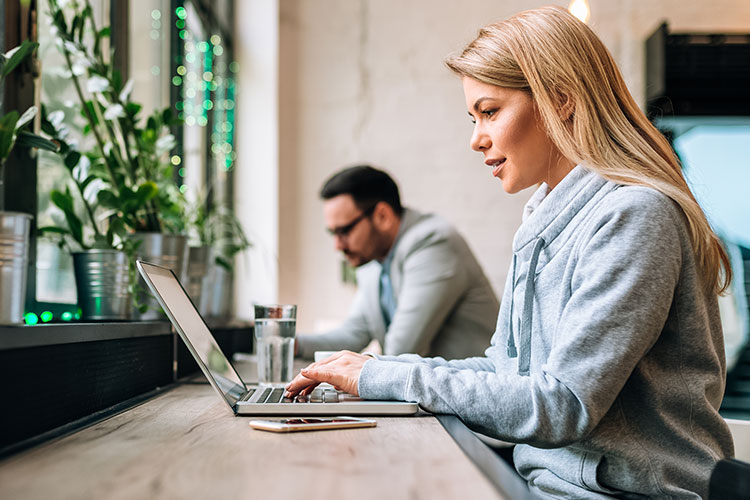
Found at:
[311, 424]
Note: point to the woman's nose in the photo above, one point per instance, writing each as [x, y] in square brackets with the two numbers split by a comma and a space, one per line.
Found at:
[480, 141]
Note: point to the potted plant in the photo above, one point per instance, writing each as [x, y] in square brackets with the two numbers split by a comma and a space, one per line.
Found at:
[96, 237]
[138, 189]
[14, 226]
[220, 238]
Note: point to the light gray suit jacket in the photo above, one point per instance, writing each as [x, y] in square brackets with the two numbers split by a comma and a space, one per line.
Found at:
[445, 305]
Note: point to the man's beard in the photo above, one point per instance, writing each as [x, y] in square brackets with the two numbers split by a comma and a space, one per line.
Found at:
[380, 250]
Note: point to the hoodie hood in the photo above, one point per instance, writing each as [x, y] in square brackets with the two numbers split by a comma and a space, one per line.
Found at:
[545, 216]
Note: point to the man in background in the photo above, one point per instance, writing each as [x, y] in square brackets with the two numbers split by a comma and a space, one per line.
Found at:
[419, 287]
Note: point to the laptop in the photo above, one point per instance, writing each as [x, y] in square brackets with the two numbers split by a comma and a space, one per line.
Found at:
[241, 398]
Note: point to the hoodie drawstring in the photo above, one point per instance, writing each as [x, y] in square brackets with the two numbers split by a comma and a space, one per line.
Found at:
[524, 336]
[512, 353]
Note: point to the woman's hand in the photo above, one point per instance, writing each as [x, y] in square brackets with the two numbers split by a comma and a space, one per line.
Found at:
[341, 370]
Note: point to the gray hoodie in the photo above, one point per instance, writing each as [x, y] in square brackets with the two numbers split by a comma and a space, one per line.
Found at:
[607, 363]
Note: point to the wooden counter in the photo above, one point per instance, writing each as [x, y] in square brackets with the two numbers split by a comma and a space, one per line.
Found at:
[185, 443]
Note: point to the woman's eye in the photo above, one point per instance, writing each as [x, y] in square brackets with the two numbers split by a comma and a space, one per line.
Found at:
[489, 112]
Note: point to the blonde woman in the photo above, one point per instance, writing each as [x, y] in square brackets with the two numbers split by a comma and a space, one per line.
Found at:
[607, 364]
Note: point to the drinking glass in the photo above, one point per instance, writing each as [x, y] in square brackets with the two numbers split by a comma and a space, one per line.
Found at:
[275, 325]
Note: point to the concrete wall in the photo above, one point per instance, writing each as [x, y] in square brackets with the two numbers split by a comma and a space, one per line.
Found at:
[364, 81]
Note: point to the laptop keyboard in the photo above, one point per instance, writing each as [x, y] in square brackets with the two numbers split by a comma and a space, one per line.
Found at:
[276, 395]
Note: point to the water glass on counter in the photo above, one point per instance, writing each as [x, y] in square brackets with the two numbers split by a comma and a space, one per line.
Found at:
[275, 327]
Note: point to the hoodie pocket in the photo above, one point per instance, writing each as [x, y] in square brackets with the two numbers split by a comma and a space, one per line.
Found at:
[589, 472]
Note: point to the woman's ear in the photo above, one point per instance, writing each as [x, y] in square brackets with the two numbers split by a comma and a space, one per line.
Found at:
[567, 107]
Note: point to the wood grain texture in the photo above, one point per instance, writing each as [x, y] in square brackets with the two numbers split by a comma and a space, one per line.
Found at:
[187, 444]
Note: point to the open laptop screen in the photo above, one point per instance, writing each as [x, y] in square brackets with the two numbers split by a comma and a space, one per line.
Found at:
[193, 330]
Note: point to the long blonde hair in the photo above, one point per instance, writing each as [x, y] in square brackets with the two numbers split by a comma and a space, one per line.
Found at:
[565, 66]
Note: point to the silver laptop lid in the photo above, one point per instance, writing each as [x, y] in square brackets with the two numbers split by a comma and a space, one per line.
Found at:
[194, 332]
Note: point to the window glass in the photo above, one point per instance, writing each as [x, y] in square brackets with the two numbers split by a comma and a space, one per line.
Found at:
[149, 65]
[205, 99]
[176, 54]
[716, 165]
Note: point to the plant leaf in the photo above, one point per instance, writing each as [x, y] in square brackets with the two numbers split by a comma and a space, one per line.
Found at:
[53, 229]
[108, 199]
[7, 133]
[72, 159]
[59, 21]
[132, 109]
[145, 192]
[221, 261]
[64, 201]
[35, 141]
[23, 51]
[126, 90]
[27, 116]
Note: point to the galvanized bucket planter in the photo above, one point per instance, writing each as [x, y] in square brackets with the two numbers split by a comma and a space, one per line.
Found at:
[168, 250]
[102, 281]
[196, 272]
[216, 297]
[14, 260]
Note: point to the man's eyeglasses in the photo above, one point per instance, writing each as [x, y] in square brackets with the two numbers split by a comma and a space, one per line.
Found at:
[343, 231]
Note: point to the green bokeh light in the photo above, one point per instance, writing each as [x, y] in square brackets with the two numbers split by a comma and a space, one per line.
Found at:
[66, 316]
[31, 318]
[181, 12]
[46, 316]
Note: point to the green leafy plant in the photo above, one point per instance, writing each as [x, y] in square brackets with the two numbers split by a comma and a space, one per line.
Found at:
[89, 224]
[12, 124]
[217, 226]
[84, 214]
[140, 188]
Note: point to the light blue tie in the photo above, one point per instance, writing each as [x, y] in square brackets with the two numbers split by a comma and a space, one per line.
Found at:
[387, 302]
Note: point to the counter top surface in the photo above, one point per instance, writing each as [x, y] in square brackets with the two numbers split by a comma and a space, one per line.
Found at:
[186, 443]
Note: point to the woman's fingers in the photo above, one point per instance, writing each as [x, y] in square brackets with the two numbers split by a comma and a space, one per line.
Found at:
[301, 385]
[341, 370]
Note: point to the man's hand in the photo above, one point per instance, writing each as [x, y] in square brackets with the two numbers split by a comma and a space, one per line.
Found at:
[341, 370]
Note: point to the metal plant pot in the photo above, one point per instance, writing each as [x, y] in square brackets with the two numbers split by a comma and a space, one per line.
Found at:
[196, 272]
[168, 250]
[14, 260]
[102, 281]
[216, 297]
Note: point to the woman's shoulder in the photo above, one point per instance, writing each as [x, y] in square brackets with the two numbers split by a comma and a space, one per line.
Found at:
[641, 202]
[636, 212]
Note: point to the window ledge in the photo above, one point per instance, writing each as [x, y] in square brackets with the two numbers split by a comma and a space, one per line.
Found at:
[15, 337]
